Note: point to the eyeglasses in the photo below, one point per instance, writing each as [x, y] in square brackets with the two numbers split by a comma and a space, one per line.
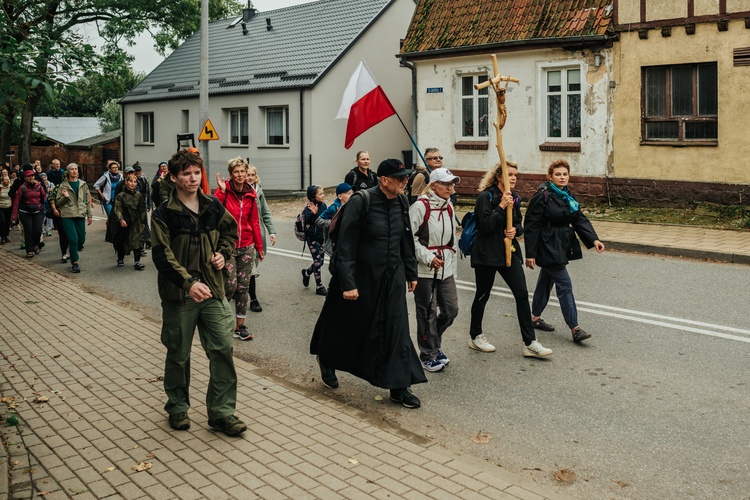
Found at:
[435, 158]
[444, 184]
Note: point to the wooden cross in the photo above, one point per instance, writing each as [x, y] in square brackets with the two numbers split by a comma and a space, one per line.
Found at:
[502, 116]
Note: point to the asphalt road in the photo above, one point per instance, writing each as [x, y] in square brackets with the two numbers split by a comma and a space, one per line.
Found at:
[654, 405]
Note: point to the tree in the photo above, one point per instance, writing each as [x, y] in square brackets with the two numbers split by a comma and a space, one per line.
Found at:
[109, 116]
[41, 49]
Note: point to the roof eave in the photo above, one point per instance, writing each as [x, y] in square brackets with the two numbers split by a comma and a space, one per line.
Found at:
[506, 46]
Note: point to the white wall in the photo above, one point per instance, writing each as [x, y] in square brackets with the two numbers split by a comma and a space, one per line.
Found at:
[277, 165]
[525, 127]
[378, 48]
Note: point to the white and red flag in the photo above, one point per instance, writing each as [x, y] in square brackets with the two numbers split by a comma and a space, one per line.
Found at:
[364, 104]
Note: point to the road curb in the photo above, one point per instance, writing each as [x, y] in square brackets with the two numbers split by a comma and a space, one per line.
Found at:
[679, 252]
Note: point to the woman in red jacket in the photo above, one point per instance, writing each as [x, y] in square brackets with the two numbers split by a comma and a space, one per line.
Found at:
[239, 198]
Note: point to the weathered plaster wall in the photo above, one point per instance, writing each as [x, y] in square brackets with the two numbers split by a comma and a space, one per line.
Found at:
[725, 163]
[439, 113]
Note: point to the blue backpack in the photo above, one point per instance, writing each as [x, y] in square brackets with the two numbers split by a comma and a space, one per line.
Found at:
[468, 232]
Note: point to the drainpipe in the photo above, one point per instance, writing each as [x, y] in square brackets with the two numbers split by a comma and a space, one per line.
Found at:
[302, 140]
[402, 62]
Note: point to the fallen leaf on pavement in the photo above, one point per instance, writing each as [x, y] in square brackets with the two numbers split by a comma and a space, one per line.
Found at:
[378, 398]
[353, 461]
[56, 356]
[41, 399]
[156, 379]
[143, 466]
[109, 469]
[564, 476]
[482, 437]
[621, 484]
[150, 455]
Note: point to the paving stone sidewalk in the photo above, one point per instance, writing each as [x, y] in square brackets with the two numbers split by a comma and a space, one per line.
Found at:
[679, 241]
[83, 376]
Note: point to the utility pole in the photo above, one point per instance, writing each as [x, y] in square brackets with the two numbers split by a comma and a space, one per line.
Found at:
[203, 115]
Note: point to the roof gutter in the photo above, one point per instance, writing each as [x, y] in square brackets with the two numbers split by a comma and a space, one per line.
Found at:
[506, 46]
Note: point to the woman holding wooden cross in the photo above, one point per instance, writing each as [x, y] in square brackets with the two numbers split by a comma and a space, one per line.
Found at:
[488, 258]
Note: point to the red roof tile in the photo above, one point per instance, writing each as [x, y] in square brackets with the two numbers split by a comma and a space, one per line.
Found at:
[445, 24]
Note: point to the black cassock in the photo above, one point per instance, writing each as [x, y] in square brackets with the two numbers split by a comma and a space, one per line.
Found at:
[369, 337]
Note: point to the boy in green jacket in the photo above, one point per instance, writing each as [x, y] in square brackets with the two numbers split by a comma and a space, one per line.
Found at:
[192, 237]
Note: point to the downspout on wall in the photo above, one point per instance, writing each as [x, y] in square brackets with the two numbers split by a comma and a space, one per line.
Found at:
[122, 134]
[402, 62]
[302, 141]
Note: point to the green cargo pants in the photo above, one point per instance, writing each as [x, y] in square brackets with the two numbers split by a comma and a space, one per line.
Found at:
[215, 322]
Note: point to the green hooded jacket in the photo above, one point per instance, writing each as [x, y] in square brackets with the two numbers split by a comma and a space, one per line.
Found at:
[173, 229]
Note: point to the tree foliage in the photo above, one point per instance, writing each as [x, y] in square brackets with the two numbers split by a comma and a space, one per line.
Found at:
[41, 48]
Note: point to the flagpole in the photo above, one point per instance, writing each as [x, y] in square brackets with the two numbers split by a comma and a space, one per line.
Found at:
[413, 142]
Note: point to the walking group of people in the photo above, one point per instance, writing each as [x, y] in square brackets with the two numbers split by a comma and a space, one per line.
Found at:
[386, 246]
[39, 201]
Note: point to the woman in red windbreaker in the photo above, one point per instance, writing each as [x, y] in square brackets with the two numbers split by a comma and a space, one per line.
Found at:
[240, 200]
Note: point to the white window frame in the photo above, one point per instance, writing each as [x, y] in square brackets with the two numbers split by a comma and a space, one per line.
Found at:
[236, 114]
[144, 123]
[563, 68]
[284, 125]
[475, 99]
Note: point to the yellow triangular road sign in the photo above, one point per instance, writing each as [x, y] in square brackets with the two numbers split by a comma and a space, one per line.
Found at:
[208, 132]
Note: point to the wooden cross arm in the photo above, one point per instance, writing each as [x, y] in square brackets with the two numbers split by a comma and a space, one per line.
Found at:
[494, 81]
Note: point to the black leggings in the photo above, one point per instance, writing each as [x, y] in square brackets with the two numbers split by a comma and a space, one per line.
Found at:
[5, 214]
[484, 277]
[32, 228]
[56, 222]
[121, 254]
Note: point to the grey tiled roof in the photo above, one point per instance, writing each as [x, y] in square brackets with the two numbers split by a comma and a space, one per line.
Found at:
[96, 140]
[304, 42]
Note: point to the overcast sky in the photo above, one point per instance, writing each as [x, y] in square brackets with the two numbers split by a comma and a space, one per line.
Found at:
[146, 58]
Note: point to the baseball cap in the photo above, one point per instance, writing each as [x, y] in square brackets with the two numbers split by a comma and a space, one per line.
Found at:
[129, 169]
[393, 168]
[342, 188]
[137, 166]
[444, 175]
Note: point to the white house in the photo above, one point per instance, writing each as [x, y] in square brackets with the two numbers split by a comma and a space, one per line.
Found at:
[560, 51]
[275, 87]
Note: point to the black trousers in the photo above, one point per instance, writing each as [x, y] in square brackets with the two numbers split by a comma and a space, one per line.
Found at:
[57, 223]
[484, 277]
[5, 214]
[32, 228]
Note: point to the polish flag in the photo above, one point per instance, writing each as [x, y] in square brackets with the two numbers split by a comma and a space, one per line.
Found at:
[364, 104]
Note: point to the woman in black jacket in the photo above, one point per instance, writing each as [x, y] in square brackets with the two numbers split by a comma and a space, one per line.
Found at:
[553, 219]
[488, 258]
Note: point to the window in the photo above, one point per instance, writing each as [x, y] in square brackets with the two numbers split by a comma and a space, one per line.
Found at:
[145, 127]
[277, 126]
[475, 118]
[680, 103]
[238, 132]
[563, 97]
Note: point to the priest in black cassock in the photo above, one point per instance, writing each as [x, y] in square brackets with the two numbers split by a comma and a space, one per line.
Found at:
[363, 328]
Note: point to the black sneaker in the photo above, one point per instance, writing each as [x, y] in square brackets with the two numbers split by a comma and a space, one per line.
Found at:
[143, 253]
[405, 397]
[327, 376]
[305, 278]
[242, 333]
[179, 421]
[542, 325]
[579, 334]
[255, 306]
[76, 268]
[231, 425]
[120, 263]
[321, 290]
[138, 266]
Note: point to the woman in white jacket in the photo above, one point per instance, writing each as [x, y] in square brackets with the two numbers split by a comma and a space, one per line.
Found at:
[432, 223]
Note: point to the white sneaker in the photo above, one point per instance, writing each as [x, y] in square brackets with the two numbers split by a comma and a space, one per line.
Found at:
[480, 344]
[536, 350]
